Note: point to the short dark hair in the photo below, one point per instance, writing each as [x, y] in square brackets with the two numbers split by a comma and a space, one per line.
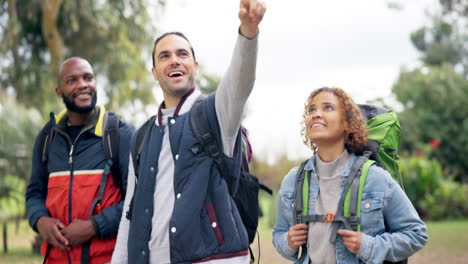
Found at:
[180, 34]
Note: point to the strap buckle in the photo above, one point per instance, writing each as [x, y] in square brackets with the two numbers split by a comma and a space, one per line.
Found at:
[354, 221]
[329, 217]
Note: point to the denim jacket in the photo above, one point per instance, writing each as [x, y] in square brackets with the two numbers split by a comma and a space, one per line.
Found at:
[391, 227]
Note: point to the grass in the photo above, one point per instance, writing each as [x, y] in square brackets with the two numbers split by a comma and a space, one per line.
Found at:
[19, 243]
[447, 239]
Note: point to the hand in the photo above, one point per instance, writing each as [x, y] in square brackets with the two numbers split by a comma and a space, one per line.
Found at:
[250, 14]
[49, 229]
[79, 231]
[352, 240]
[297, 235]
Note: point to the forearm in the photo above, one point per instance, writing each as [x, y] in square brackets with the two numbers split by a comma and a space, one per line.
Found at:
[281, 229]
[280, 241]
[36, 191]
[35, 210]
[234, 89]
[106, 224]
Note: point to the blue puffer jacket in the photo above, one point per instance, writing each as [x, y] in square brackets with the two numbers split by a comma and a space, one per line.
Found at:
[204, 198]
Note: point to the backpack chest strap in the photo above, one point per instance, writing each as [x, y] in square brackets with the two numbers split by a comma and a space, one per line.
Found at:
[350, 222]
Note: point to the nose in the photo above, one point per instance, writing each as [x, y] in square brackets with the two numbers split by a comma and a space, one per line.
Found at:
[317, 114]
[174, 59]
[82, 83]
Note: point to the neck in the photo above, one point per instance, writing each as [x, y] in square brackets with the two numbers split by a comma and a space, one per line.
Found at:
[171, 101]
[78, 119]
[331, 151]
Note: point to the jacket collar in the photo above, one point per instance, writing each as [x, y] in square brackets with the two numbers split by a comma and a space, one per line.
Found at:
[182, 107]
[95, 121]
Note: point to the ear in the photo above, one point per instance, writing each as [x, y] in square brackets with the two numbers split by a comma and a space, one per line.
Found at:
[155, 76]
[58, 92]
[196, 67]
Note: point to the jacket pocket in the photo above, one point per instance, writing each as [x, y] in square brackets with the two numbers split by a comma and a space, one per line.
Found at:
[214, 223]
[372, 221]
[287, 199]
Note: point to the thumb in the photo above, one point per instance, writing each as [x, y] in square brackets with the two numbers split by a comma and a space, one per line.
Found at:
[60, 225]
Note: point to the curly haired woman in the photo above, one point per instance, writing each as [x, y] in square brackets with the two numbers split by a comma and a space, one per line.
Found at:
[390, 230]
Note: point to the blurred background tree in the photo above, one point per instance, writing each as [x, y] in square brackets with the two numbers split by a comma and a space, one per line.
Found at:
[114, 36]
[435, 95]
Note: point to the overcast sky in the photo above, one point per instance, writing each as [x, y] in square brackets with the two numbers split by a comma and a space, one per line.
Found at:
[359, 46]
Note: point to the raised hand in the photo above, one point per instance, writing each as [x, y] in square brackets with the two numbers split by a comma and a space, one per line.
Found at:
[49, 229]
[251, 14]
[297, 235]
[352, 240]
[78, 232]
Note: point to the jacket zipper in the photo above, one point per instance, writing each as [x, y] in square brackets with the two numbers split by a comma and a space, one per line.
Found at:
[70, 163]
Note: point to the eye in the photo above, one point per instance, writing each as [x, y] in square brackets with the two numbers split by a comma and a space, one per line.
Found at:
[89, 78]
[71, 81]
[328, 108]
[183, 53]
[163, 56]
[311, 110]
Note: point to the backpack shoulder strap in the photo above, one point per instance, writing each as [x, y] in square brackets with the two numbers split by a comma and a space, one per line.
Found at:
[44, 141]
[355, 170]
[136, 153]
[352, 202]
[138, 144]
[299, 194]
[111, 144]
[202, 131]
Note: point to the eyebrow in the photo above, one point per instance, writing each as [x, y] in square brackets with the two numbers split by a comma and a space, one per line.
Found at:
[324, 103]
[166, 51]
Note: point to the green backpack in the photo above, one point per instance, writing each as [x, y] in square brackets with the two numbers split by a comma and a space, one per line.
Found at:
[383, 129]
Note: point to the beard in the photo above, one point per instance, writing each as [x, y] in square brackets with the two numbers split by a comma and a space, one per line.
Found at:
[70, 104]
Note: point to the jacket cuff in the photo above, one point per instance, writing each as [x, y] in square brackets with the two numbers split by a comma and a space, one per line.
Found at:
[366, 247]
[292, 254]
[98, 225]
[240, 34]
[35, 217]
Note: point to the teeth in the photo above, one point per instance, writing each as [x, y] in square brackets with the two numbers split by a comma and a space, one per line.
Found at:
[317, 125]
[175, 74]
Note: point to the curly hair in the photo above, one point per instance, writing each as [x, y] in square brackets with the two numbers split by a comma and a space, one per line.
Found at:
[356, 131]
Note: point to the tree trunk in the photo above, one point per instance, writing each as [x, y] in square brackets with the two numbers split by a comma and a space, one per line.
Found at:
[12, 36]
[5, 238]
[50, 9]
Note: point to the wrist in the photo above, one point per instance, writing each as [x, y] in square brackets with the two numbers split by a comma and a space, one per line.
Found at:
[248, 32]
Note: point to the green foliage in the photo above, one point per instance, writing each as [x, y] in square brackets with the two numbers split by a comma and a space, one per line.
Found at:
[17, 132]
[435, 102]
[434, 196]
[12, 191]
[115, 36]
[435, 95]
[447, 201]
[207, 83]
[420, 176]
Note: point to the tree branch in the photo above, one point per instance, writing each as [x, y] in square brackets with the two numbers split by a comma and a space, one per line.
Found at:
[50, 9]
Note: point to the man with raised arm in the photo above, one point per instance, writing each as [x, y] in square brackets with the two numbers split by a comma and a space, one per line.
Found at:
[178, 208]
